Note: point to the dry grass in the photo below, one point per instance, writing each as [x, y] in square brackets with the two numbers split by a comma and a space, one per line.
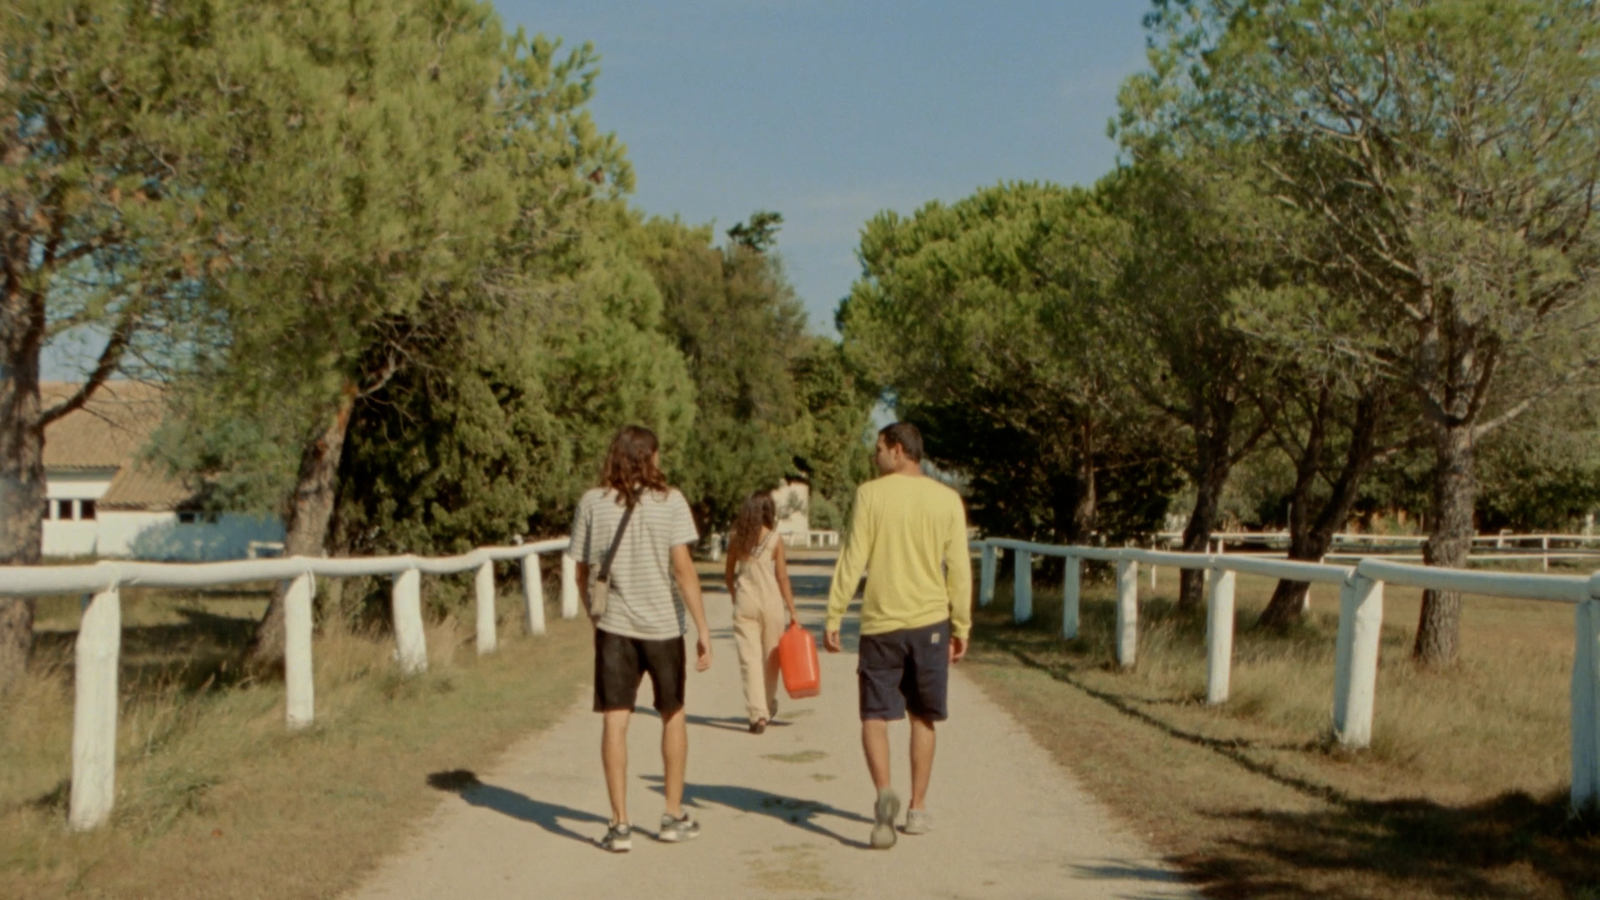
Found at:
[1462, 794]
[214, 797]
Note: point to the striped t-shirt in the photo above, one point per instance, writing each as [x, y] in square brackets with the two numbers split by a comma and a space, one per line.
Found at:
[643, 601]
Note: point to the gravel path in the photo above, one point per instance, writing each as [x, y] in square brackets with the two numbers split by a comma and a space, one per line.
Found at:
[784, 814]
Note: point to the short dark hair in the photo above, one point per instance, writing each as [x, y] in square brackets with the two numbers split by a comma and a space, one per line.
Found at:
[905, 436]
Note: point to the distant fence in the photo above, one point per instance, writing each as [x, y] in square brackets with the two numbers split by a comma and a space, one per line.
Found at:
[99, 643]
[1360, 623]
[1353, 546]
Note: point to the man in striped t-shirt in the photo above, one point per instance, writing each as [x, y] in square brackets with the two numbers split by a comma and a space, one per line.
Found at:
[641, 629]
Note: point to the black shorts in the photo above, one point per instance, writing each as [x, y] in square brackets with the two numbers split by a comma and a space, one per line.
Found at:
[905, 670]
[620, 663]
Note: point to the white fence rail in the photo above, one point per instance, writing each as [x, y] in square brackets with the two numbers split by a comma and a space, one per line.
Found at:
[1354, 547]
[99, 644]
[1360, 623]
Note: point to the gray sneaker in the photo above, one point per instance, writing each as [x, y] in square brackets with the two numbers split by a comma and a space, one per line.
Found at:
[676, 830]
[618, 839]
[884, 813]
[917, 822]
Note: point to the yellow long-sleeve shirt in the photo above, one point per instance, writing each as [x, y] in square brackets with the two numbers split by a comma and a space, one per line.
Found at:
[910, 533]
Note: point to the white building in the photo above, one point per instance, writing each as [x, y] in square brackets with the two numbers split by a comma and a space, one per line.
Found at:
[103, 500]
[793, 499]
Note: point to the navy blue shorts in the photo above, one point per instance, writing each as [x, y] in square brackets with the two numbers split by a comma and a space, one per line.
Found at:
[905, 670]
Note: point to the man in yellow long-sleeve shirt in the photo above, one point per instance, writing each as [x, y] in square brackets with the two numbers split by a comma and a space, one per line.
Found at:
[910, 533]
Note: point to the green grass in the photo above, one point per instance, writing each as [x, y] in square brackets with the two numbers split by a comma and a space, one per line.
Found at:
[213, 790]
[1463, 792]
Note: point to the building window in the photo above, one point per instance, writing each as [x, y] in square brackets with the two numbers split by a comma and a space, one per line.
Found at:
[86, 510]
[48, 506]
[187, 518]
[64, 510]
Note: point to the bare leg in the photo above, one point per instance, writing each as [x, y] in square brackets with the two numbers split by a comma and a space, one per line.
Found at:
[875, 741]
[674, 759]
[922, 741]
[614, 756]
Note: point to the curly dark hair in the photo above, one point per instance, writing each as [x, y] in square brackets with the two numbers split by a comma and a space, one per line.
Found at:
[630, 467]
[759, 511]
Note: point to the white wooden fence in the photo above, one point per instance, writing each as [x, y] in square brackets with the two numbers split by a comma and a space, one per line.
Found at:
[1360, 624]
[1353, 547]
[94, 717]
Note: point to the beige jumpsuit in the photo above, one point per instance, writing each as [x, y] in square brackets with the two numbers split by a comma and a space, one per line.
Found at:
[758, 623]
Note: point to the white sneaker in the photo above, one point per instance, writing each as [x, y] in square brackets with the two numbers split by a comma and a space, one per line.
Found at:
[618, 839]
[675, 830]
[884, 813]
[917, 822]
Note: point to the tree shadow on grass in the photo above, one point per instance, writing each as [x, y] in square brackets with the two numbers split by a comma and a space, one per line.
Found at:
[1495, 849]
[548, 816]
[799, 813]
[193, 656]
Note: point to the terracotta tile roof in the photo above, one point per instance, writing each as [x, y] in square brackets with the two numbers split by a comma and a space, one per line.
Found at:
[144, 485]
[108, 433]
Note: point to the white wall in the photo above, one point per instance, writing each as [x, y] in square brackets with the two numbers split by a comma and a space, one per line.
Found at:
[73, 536]
[161, 536]
[793, 500]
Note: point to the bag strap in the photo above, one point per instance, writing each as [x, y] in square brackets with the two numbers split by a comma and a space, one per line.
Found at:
[616, 541]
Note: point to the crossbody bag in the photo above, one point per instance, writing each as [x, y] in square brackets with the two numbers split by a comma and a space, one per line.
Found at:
[600, 584]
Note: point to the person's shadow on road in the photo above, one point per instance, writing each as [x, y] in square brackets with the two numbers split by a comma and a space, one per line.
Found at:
[799, 813]
[548, 816]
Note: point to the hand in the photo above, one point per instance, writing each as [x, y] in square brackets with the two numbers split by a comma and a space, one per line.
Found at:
[794, 620]
[830, 641]
[702, 649]
[958, 649]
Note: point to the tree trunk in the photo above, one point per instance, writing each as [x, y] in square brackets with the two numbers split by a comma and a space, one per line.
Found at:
[1309, 539]
[1449, 541]
[1084, 511]
[22, 481]
[1212, 475]
[305, 526]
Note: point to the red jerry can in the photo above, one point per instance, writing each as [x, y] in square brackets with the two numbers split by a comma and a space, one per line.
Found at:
[797, 657]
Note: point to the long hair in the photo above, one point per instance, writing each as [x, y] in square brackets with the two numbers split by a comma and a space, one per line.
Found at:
[630, 467]
[758, 512]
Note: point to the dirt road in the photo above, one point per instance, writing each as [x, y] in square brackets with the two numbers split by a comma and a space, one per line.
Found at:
[784, 814]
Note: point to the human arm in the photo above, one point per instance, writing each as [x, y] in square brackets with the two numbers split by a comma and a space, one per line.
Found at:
[689, 588]
[781, 563]
[583, 588]
[578, 549]
[958, 581]
[847, 573]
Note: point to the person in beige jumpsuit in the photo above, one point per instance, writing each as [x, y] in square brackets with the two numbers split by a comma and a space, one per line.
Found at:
[758, 579]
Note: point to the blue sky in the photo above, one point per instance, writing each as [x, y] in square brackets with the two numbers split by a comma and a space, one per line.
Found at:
[831, 111]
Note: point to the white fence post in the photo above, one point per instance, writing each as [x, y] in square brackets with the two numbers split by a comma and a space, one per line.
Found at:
[533, 594]
[1355, 675]
[1071, 595]
[1153, 568]
[986, 567]
[94, 713]
[1544, 545]
[483, 588]
[1022, 595]
[1219, 636]
[569, 587]
[1586, 708]
[411, 643]
[1127, 612]
[298, 685]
